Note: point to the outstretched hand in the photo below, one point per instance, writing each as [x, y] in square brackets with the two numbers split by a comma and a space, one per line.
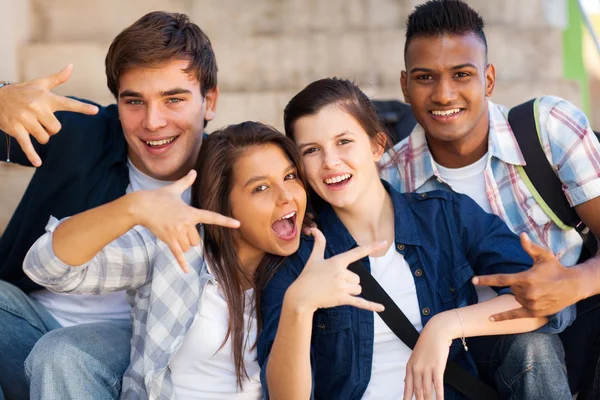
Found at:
[174, 222]
[545, 289]
[327, 283]
[28, 109]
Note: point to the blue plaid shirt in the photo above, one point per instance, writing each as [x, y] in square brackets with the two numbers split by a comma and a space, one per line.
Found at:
[165, 300]
[570, 146]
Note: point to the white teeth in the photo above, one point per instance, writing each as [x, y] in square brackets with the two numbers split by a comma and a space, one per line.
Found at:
[446, 112]
[290, 215]
[337, 179]
[159, 142]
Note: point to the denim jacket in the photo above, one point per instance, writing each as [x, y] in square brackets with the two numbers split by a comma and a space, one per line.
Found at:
[446, 239]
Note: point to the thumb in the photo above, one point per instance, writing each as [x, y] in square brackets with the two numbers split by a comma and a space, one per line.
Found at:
[318, 251]
[52, 81]
[536, 252]
[182, 184]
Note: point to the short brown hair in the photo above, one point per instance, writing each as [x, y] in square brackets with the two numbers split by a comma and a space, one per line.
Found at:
[157, 38]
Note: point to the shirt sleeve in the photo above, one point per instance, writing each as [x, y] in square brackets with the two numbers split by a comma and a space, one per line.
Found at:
[492, 248]
[572, 148]
[122, 264]
[270, 306]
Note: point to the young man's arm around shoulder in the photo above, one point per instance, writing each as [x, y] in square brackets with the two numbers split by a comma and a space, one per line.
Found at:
[549, 286]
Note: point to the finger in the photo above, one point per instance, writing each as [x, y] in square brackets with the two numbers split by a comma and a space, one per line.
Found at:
[500, 279]
[62, 103]
[184, 243]
[351, 277]
[318, 251]
[306, 230]
[360, 252]
[427, 384]
[51, 125]
[418, 385]
[182, 184]
[58, 78]
[38, 132]
[438, 383]
[538, 253]
[179, 256]
[361, 303]
[353, 289]
[408, 385]
[193, 236]
[512, 314]
[213, 218]
[24, 141]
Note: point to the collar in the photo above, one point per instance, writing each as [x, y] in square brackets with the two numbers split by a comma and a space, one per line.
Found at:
[340, 240]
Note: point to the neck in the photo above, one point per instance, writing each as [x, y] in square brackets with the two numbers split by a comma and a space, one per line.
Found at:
[250, 260]
[370, 218]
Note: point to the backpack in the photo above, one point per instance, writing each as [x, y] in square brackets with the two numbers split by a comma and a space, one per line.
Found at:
[539, 177]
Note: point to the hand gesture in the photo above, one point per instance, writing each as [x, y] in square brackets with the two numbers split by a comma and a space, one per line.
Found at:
[174, 222]
[545, 289]
[28, 109]
[328, 283]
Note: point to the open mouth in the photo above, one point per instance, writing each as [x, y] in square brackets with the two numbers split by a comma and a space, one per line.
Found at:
[285, 227]
[338, 182]
[160, 143]
[446, 115]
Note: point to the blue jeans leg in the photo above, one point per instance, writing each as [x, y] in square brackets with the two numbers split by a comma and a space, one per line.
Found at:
[80, 362]
[23, 322]
[524, 366]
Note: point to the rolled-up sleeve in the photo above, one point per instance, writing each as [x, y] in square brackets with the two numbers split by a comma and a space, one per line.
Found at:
[122, 264]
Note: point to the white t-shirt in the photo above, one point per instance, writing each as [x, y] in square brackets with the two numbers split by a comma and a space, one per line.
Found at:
[390, 354]
[470, 180]
[77, 309]
[199, 369]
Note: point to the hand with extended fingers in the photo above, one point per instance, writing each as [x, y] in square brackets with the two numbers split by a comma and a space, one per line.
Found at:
[545, 289]
[28, 109]
[174, 222]
[327, 282]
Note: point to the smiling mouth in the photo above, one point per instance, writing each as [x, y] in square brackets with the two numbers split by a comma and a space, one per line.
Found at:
[446, 115]
[337, 181]
[158, 144]
[285, 227]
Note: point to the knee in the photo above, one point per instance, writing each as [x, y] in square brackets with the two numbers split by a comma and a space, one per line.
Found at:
[54, 352]
[535, 348]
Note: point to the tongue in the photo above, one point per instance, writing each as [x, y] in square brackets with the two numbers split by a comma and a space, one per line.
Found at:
[282, 227]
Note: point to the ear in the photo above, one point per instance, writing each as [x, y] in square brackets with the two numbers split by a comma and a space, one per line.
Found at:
[377, 147]
[211, 103]
[490, 80]
[404, 85]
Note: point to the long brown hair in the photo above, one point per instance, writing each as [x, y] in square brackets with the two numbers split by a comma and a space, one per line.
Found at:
[211, 191]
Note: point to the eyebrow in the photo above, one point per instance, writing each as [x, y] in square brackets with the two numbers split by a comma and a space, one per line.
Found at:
[170, 92]
[263, 177]
[428, 70]
[301, 146]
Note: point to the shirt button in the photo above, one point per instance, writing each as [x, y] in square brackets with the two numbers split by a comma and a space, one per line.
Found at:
[419, 272]
[423, 195]
[426, 311]
[400, 246]
[322, 327]
[452, 290]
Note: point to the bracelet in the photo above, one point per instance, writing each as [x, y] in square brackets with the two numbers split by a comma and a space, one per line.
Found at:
[462, 339]
[2, 84]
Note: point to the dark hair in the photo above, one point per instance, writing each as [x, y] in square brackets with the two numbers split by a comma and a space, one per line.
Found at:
[211, 191]
[444, 17]
[157, 38]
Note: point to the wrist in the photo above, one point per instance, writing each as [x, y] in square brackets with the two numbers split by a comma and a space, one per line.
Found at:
[585, 280]
[296, 303]
[135, 204]
[447, 323]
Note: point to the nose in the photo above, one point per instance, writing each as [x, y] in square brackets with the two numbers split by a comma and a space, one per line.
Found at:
[284, 196]
[331, 159]
[444, 91]
[155, 118]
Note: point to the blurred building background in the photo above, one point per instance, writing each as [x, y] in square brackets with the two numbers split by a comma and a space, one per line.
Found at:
[267, 50]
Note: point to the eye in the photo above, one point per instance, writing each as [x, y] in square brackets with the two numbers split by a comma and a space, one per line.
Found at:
[344, 141]
[424, 77]
[259, 188]
[310, 150]
[174, 100]
[462, 74]
[291, 176]
[135, 102]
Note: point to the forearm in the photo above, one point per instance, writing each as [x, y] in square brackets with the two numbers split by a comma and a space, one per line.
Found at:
[476, 321]
[289, 374]
[78, 239]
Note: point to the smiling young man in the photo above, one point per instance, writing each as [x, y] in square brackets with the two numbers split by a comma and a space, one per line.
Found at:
[463, 142]
[163, 73]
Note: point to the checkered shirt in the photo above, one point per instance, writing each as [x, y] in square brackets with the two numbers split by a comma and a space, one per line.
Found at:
[569, 144]
[164, 299]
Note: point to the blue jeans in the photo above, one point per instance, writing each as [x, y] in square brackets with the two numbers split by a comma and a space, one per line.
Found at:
[42, 360]
[524, 366]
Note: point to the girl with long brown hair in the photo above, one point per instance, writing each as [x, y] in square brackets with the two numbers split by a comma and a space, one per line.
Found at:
[194, 327]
